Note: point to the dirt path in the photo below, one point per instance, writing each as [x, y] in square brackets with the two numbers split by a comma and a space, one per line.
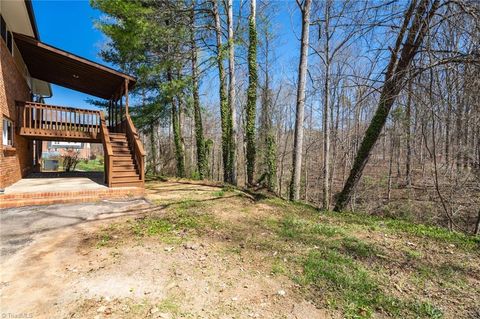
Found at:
[73, 272]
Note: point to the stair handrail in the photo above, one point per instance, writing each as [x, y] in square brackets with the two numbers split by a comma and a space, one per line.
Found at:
[134, 140]
[108, 151]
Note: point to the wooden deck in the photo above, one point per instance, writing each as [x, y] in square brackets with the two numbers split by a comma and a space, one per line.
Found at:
[124, 155]
[58, 123]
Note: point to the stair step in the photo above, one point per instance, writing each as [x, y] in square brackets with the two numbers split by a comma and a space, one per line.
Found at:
[114, 141]
[126, 179]
[121, 150]
[124, 171]
[119, 146]
[122, 162]
[128, 184]
[124, 174]
[122, 156]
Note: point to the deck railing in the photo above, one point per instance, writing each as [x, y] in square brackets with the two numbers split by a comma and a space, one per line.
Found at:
[108, 152]
[42, 117]
[136, 145]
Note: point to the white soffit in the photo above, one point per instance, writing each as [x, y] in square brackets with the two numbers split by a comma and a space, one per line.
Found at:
[16, 16]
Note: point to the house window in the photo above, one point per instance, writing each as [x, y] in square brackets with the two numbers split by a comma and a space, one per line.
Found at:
[6, 35]
[7, 132]
[10, 42]
[3, 29]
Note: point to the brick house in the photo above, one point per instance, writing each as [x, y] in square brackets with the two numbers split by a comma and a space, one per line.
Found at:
[27, 68]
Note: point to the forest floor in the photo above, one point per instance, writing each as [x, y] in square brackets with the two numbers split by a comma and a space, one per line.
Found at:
[203, 251]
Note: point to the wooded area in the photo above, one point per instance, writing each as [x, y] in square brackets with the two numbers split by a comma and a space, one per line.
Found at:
[377, 110]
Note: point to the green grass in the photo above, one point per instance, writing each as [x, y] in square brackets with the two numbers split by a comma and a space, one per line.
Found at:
[104, 240]
[412, 254]
[219, 193]
[341, 277]
[351, 287]
[358, 248]
[152, 227]
[182, 216]
[95, 165]
[402, 226]
[345, 269]
[168, 305]
[278, 267]
[397, 226]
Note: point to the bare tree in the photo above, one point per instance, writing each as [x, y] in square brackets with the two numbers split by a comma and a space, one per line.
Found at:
[410, 37]
[300, 110]
[231, 97]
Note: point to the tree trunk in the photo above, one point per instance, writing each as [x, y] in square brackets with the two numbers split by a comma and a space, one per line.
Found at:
[153, 150]
[202, 163]
[224, 110]
[251, 94]
[408, 124]
[477, 225]
[300, 110]
[326, 108]
[231, 98]
[390, 163]
[177, 139]
[397, 69]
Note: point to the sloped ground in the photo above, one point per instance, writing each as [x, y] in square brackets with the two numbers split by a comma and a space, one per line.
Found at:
[208, 252]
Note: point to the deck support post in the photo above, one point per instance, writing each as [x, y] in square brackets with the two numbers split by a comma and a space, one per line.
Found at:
[126, 97]
[121, 110]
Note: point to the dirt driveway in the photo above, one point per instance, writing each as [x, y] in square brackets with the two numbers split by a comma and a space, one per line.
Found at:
[91, 261]
[19, 226]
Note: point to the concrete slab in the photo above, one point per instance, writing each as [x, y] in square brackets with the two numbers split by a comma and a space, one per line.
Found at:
[45, 183]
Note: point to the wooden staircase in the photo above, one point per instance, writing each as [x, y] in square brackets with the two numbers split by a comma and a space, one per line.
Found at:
[124, 167]
[124, 154]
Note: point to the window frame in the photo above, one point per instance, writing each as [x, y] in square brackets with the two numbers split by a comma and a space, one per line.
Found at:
[5, 134]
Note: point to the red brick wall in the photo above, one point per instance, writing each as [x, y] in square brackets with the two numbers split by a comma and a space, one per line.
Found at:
[14, 164]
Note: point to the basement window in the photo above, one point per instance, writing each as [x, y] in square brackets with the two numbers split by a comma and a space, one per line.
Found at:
[7, 134]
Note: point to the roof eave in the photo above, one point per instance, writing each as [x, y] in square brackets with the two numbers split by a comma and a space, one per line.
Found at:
[31, 15]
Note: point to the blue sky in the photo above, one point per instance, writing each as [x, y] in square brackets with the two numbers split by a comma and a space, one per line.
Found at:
[69, 25]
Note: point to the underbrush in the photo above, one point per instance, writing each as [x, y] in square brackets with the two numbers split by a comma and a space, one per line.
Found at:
[384, 224]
